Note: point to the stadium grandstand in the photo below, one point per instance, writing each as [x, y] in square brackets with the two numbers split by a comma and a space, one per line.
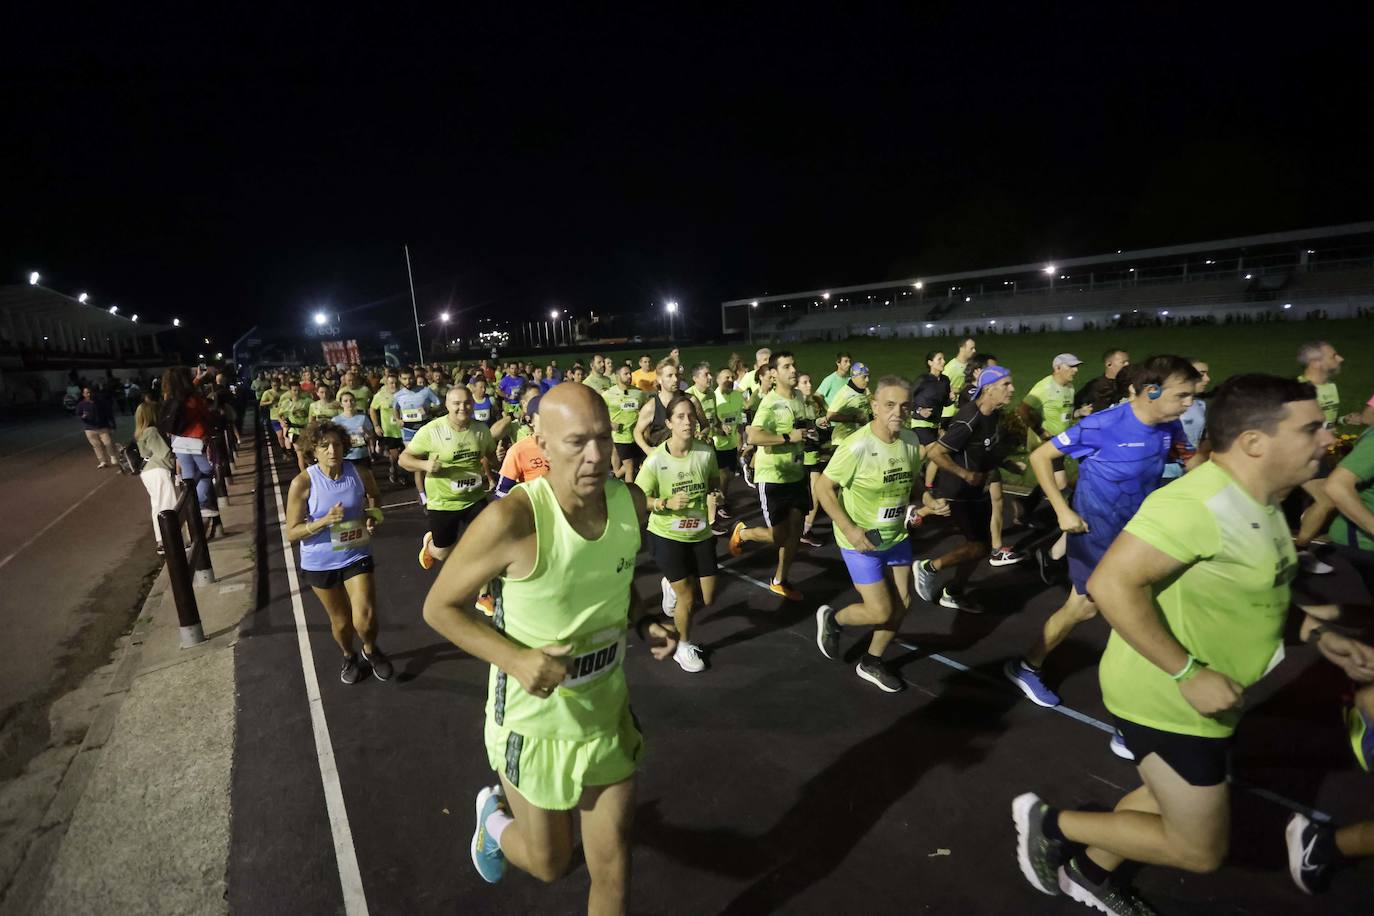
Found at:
[45, 335]
[1325, 272]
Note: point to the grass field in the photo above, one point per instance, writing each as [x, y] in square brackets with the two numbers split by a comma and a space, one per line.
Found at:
[1228, 349]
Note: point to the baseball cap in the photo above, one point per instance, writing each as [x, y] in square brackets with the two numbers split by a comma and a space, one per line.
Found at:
[858, 369]
[1067, 359]
[991, 376]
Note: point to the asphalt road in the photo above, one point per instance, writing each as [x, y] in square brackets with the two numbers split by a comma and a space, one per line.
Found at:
[776, 781]
[75, 561]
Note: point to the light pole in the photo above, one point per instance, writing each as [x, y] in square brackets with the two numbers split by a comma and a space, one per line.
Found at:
[443, 326]
[553, 328]
[672, 311]
[1051, 269]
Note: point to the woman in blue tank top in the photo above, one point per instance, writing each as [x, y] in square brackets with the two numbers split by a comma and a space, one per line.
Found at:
[332, 509]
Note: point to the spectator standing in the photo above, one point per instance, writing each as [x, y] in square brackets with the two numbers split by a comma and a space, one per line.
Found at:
[186, 417]
[99, 430]
[158, 464]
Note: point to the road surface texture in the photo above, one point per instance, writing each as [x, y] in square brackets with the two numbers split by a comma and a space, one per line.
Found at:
[776, 781]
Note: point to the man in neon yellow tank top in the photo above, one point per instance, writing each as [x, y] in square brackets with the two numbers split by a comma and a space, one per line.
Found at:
[559, 731]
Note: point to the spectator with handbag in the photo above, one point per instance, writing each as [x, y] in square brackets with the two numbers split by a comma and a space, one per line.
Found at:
[187, 419]
[158, 463]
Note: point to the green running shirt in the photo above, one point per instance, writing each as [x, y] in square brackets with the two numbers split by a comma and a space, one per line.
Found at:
[624, 407]
[664, 476]
[954, 371]
[779, 463]
[851, 399]
[1227, 608]
[382, 403]
[578, 593]
[1359, 462]
[729, 415]
[460, 481]
[1328, 399]
[875, 480]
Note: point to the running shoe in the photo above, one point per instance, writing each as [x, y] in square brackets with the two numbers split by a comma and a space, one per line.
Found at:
[782, 588]
[1361, 736]
[1004, 556]
[1038, 855]
[925, 580]
[487, 605]
[101, 465]
[736, 546]
[1028, 680]
[1310, 860]
[720, 527]
[1313, 564]
[1109, 897]
[669, 597]
[722, 510]
[380, 664]
[827, 631]
[688, 657]
[878, 675]
[351, 672]
[1052, 571]
[810, 540]
[1119, 748]
[959, 602]
[426, 561]
[487, 856]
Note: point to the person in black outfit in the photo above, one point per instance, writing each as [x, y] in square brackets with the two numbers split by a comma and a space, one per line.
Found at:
[968, 451]
[1109, 388]
[929, 396]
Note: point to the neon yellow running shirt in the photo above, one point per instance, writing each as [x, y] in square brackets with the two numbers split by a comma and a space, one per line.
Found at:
[624, 407]
[729, 415]
[779, 463]
[460, 481]
[875, 480]
[578, 593]
[664, 476]
[850, 399]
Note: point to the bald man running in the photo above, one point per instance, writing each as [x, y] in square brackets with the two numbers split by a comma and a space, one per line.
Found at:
[559, 731]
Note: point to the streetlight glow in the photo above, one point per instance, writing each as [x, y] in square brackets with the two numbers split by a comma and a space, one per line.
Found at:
[82, 298]
[672, 308]
[554, 314]
[134, 318]
[114, 310]
[919, 284]
[33, 278]
[320, 319]
[825, 295]
[176, 322]
[443, 316]
[754, 304]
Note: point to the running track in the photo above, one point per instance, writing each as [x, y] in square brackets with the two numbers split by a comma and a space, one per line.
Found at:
[776, 781]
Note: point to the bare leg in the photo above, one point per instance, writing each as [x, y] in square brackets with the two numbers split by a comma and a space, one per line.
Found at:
[607, 824]
[1356, 841]
[815, 503]
[336, 605]
[686, 592]
[540, 842]
[362, 595]
[788, 544]
[1074, 611]
[995, 528]
[1317, 516]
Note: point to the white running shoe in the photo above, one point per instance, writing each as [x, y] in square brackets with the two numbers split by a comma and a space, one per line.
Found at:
[1313, 564]
[688, 657]
[669, 597]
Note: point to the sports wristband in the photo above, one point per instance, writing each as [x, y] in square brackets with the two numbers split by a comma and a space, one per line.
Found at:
[374, 513]
[1189, 670]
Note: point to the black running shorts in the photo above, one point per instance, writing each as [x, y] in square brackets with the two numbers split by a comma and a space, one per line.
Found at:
[1201, 762]
[728, 460]
[629, 451]
[334, 578]
[779, 499]
[447, 526]
[678, 560]
[973, 518]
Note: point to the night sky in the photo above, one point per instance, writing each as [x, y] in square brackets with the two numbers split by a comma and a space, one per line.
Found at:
[257, 165]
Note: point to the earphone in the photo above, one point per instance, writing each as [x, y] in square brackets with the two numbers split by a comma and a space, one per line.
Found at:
[1153, 392]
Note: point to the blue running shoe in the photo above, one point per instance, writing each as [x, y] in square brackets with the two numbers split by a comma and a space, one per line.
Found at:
[1361, 736]
[1028, 680]
[487, 856]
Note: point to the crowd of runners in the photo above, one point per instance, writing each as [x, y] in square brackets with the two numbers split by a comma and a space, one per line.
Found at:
[1156, 500]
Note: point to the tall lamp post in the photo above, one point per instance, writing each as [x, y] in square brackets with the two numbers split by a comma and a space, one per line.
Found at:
[672, 311]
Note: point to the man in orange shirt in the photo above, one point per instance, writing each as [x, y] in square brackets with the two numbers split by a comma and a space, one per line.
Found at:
[645, 378]
[525, 460]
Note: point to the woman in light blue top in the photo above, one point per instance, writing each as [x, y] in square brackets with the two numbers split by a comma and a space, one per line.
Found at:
[332, 509]
[361, 435]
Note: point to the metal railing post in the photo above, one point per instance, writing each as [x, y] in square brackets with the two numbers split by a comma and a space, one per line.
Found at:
[188, 612]
[200, 550]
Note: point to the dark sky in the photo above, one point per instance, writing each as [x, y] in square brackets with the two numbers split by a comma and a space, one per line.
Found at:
[269, 160]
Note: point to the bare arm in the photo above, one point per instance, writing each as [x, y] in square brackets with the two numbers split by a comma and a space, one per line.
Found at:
[1033, 420]
[501, 427]
[415, 462]
[1122, 587]
[1042, 463]
[1340, 488]
[826, 493]
[298, 523]
[642, 424]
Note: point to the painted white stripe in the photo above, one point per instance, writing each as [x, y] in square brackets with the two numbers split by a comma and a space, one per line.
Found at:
[763, 504]
[31, 448]
[413, 502]
[350, 879]
[1283, 802]
[68, 511]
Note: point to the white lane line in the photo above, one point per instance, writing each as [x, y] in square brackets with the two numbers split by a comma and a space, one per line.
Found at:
[23, 451]
[350, 879]
[1274, 797]
[413, 502]
[44, 530]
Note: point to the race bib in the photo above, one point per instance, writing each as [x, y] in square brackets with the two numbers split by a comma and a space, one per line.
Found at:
[357, 440]
[889, 514]
[482, 415]
[412, 414]
[348, 535]
[465, 483]
[688, 523]
[629, 405]
[595, 664]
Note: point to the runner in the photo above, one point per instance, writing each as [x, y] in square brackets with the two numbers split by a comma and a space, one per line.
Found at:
[1321, 364]
[324, 407]
[676, 479]
[877, 472]
[1047, 409]
[749, 382]
[414, 405]
[384, 417]
[332, 509]
[267, 402]
[651, 426]
[928, 399]
[777, 432]
[624, 400]
[449, 451]
[525, 460]
[509, 386]
[729, 411]
[954, 371]
[483, 409]
[1194, 421]
[968, 451]
[351, 381]
[645, 378]
[598, 379]
[1109, 388]
[837, 379]
[295, 413]
[559, 731]
[849, 408]
[1197, 592]
[362, 436]
[816, 450]
[1121, 454]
